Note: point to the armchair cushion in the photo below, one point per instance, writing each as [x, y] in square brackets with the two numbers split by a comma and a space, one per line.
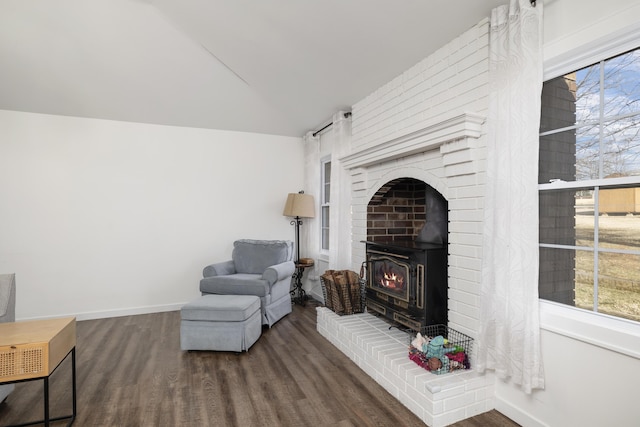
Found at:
[255, 256]
[235, 284]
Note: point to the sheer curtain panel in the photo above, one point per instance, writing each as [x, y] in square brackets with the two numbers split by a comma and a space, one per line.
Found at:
[509, 338]
[310, 233]
[340, 231]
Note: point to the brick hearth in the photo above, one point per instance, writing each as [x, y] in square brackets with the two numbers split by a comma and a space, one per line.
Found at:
[382, 353]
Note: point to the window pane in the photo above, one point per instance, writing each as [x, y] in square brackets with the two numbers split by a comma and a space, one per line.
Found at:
[325, 239]
[565, 216]
[558, 103]
[325, 227]
[587, 152]
[327, 172]
[621, 84]
[587, 94]
[619, 222]
[327, 183]
[621, 147]
[566, 276]
[585, 221]
[557, 157]
[584, 279]
[619, 285]
[558, 275]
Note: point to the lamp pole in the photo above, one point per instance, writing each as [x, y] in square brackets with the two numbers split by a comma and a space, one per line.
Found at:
[297, 222]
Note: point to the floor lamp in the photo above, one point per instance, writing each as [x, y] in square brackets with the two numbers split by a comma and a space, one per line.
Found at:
[299, 205]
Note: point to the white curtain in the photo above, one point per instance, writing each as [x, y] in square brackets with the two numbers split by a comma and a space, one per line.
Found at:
[509, 337]
[309, 230]
[340, 205]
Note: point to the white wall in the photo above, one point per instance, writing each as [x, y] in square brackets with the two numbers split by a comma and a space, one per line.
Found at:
[585, 385]
[101, 218]
[572, 24]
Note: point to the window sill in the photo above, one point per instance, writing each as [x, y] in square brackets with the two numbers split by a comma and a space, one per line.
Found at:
[323, 257]
[619, 335]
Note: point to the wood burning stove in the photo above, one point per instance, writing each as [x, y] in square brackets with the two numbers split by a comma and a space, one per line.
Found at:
[407, 283]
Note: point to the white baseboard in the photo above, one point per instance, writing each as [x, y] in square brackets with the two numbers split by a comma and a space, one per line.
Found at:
[517, 415]
[116, 313]
[316, 296]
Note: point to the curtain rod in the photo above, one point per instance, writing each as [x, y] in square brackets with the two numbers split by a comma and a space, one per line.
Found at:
[322, 128]
[346, 116]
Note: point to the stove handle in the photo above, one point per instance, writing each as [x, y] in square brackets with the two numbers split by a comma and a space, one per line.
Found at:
[420, 286]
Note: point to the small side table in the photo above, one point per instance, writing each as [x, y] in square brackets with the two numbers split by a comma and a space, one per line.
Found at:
[298, 295]
[32, 350]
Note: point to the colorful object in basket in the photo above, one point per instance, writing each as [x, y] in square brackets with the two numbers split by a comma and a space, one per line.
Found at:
[420, 342]
[436, 350]
[437, 355]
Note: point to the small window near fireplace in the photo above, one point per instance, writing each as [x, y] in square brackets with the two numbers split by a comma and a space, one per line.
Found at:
[325, 198]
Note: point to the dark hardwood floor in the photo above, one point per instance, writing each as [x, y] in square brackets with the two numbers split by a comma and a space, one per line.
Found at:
[131, 372]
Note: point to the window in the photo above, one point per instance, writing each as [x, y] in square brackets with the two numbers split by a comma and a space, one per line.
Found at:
[324, 204]
[589, 176]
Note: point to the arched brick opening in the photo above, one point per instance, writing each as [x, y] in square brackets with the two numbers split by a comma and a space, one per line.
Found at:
[407, 210]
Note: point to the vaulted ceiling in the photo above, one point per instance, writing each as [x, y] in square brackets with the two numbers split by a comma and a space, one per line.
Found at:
[268, 66]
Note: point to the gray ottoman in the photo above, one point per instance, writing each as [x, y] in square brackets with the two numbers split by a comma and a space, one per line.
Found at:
[221, 323]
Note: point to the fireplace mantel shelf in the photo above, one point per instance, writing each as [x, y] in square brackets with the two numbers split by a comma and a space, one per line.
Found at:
[466, 125]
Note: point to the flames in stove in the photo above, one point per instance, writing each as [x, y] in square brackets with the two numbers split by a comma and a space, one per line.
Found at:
[389, 274]
[391, 280]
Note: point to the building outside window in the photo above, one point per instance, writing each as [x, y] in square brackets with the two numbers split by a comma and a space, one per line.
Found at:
[325, 192]
[589, 182]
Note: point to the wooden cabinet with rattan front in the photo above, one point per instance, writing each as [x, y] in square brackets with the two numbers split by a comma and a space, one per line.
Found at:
[33, 349]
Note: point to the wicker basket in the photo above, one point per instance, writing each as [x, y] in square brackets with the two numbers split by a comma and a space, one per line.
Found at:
[457, 360]
[343, 291]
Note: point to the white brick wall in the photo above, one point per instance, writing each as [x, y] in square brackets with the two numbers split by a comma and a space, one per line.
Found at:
[425, 124]
[428, 102]
[452, 80]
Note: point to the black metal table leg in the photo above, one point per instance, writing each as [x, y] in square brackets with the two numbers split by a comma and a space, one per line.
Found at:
[46, 401]
[73, 389]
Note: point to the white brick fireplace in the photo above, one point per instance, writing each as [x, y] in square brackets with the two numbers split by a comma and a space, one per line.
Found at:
[427, 124]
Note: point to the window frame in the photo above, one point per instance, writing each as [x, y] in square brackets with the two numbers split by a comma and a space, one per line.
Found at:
[601, 183]
[608, 332]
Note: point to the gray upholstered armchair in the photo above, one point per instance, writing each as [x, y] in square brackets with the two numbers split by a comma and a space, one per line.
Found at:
[258, 267]
[7, 314]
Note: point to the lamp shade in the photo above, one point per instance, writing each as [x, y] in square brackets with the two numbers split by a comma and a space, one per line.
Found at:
[299, 204]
